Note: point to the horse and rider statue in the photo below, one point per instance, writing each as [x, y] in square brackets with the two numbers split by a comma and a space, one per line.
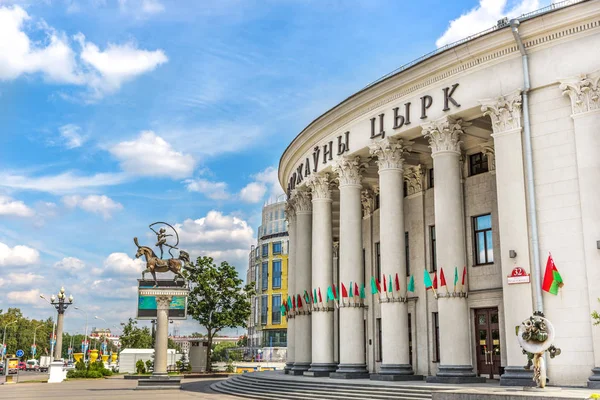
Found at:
[156, 264]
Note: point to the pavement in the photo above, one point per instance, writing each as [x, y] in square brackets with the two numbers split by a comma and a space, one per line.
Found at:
[104, 388]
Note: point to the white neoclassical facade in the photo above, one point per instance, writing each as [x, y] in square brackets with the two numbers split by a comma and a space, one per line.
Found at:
[484, 156]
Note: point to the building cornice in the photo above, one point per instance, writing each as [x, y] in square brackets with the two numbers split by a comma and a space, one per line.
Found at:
[538, 32]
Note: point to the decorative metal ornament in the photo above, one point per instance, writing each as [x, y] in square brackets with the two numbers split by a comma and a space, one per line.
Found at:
[535, 336]
[155, 264]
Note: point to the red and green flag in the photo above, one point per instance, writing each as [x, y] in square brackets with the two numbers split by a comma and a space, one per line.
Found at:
[356, 292]
[552, 279]
[282, 308]
[350, 290]
[294, 303]
[362, 291]
[289, 303]
[455, 277]
[374, 286]
[330, 295]
[435, 280]
[335, 292]
[306, 298]
[427, 280]
[442, 278]
[384, 284]
[320, 297]
[390, 288]
[397, 283]
[344, 291]
[464, 275]
[299, 303]
[314, 297]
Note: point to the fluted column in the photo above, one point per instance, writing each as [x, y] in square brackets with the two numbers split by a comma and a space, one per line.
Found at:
[505, 113]
[394, 311]
[322, 276]
[455, 345]
[302, 273]
[352, 331]
[290, 214]
[584, 92]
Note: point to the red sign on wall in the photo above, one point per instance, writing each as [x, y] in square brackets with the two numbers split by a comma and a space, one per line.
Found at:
[518, 275]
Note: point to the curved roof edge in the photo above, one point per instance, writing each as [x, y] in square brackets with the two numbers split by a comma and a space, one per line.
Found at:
[501, 24]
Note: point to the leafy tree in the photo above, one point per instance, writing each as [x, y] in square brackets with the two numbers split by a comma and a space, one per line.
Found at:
[217, 299]
[20, 334]
[134, 337]
[220, 352]
[243, 342]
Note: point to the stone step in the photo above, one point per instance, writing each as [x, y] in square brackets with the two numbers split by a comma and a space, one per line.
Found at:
[330, 384]
[226, 387]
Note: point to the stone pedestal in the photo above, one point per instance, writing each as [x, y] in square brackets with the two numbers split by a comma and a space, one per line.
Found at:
[57, 372]
[517, 376]
[160, 379]
[594, 380]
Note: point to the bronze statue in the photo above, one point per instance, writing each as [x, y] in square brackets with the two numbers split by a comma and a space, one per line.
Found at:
[155, 264]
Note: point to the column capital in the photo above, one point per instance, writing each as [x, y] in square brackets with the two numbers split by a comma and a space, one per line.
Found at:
[367, 199]
[489, 150]
[290, 211]
[504, 111]
[349, 170]
[320, 186]
[302, 201]
[163, 301]
[444, 134]
[584, 92]
[389, 152]
[413, 176]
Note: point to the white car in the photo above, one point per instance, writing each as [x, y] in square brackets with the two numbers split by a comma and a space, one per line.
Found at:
[32, 365]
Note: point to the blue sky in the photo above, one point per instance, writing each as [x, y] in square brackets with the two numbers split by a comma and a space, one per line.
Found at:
[118, 113]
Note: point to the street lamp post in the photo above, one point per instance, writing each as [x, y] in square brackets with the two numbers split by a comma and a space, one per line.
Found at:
[33, 348]
[87, 344]
[61, 304]
[4, 337]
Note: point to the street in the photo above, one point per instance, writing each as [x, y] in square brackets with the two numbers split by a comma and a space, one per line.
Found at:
[117, 388]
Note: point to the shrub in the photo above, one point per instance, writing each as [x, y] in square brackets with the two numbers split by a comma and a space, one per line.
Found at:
[149, 365]
[94, 374]
[140, 367]
[230, 368]
[80, 365]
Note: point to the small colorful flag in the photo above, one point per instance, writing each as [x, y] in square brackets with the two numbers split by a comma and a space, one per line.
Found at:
[384, 284]
[374, 286]
[362, 291]
[306, 298]
[464, 275]
[335, 293]
[344, 291]
[315, 296]
[299, 303]
[411, 284]
[330, 295]
[442, 278]
[390, 288]
[455, 277]
[397, 283]
[552, 279]
[294, 303]
[282, 308]
[320, 297]
[427, 280]
[356, 292]
[435, 280]
[350, 290]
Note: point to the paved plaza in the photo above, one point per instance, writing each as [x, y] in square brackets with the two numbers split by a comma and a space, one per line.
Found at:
[115, 388]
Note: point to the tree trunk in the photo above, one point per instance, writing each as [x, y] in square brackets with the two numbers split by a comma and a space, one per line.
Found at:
[208, 352]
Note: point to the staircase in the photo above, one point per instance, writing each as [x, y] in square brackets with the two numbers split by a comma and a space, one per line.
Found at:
[277, 386]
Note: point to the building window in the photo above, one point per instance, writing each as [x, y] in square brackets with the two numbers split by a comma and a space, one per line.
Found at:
[275, 309]
[276, 274]
[407, 253]
[379, 336]
[264, 308]
[377, 201]
[265, 276]
[265, 250]
[404, 188]
[282, 214]
[277, 248]
[436, 336]
[478, 164]
[484, 247]
[433, 250]
[378, 260]
[431, 178]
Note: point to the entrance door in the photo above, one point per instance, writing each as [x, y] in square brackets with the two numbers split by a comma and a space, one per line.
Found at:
[487, 334]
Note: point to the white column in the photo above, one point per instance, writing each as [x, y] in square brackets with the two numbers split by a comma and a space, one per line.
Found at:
[336, 314]
[303, 281]
[584, 92]
[162, 334]
[290, 215]
[455, 345]
[352, 331]
[505, 113]
[394, 310]
[322, 276]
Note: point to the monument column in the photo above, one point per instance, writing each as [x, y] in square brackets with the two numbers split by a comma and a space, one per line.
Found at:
[505, 113]
[584, 92]
[394, 310]
[303, 281]
[290, 215]
[352, 321]
[455, 345]
[322, 276]
[162, 334]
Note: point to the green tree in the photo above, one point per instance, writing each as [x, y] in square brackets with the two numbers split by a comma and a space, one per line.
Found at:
[134, 337]
[217, 299]
[20, 334]
[222, 352]
[243, 342]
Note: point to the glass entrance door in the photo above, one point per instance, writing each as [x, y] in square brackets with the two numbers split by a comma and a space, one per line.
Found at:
[487, 335]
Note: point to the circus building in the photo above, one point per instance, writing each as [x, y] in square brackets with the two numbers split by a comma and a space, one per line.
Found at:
[478, 163]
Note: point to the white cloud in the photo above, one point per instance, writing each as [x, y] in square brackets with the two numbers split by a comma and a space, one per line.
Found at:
[151, 155]
[71, 136]
[117, 64]
[122, 264]
[482, 17]
[93, 203]
[24, 279]
[141, 7]
[17, 256]
[116, 289]
[61, 183]
[12, 207]
[24, 297]
[264, 181]
[70, 264]
[212, 190]
[103, 71]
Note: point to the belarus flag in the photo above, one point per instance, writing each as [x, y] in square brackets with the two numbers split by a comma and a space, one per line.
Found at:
[552, 279]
